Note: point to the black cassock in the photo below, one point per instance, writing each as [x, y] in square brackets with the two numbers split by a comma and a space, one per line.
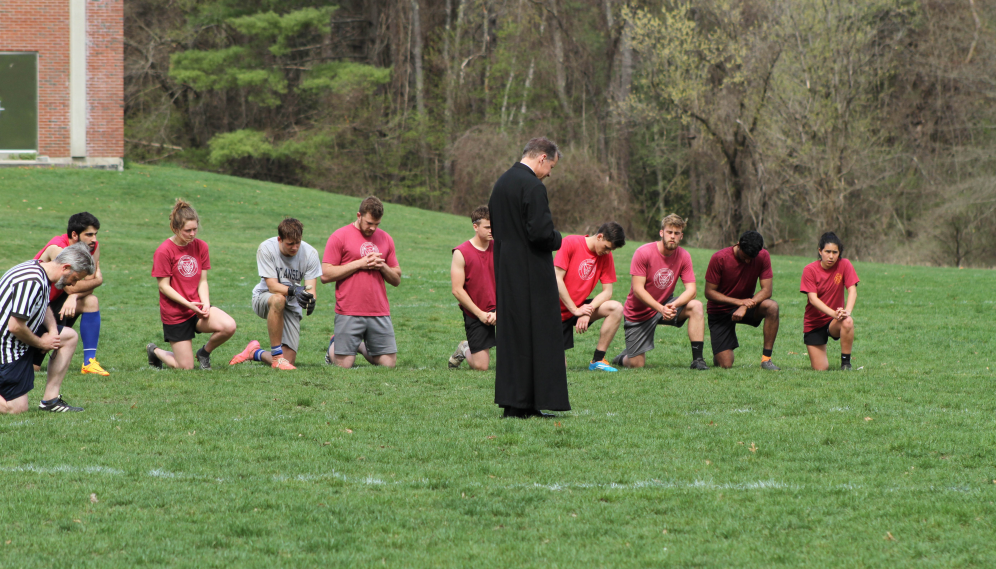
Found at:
[529, 372]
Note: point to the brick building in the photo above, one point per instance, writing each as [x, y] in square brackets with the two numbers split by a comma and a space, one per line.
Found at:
[62, 82]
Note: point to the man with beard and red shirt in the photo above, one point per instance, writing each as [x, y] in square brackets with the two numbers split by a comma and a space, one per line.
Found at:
[67, 305]
[472, 273]
[582, 261]
[823, 283]
[655, 269]
[359, 258]
[731, 280]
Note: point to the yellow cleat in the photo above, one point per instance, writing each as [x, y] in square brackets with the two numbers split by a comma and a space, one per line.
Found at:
[94, 367]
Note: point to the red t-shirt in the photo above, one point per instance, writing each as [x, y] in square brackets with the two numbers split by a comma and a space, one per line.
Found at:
[479, 275]
[60, 241]
[734, 278]
[829, 286]
[362, 293]
[661, 273]
[584, 269]
[183, 265]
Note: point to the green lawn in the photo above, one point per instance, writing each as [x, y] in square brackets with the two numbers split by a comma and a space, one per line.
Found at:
[892, 465]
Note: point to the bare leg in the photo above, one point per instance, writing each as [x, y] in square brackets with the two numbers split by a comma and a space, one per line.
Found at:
[696, 321]
[14, 406]
[220, 325]
[478, 360]
[182, 356]
[635, 361]
[818, 357]
[769, 311]
[845, 331]
[723, 359]
[275, 319]
[58, 363]
[612, 312]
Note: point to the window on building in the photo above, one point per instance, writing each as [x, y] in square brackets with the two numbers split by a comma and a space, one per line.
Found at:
[18, 102]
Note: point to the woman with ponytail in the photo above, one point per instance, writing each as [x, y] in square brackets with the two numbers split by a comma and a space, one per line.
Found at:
[180, 265]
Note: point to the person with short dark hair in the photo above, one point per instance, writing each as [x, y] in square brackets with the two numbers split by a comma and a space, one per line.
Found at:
[655, 270]
[78, 300]
[180, 265]
[824, 283]
[359, 258]
[530, 373]
[582, 261]
[28, 326]
[731, 282]
[472, 276]
[288, 270]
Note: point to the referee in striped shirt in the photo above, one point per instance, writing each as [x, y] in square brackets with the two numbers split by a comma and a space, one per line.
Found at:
[27, 326]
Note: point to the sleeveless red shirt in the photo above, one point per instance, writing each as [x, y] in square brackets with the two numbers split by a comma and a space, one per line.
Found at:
[479, 275]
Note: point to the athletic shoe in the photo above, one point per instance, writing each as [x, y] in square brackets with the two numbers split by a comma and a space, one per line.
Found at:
[328, 359]
[845, 367]
[205, 359]
[618, 360]
[282, 363]
[601, 365]
[246, 354]
[58, 405]
[154, 360]
[699, 364]
[770, 366]
[94, 367]
[458, 356]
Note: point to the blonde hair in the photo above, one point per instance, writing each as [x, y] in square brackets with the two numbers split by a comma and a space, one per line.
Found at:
[181, 214]
[674, 220]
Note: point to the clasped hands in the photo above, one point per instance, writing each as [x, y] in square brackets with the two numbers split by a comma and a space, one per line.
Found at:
[304, 298]
[583, 313]
[745, 305]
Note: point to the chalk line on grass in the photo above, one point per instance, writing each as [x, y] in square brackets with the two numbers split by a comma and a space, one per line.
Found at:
[63, 469]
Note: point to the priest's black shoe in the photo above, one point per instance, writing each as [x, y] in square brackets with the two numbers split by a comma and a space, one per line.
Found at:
[538, 413]
[515, 412]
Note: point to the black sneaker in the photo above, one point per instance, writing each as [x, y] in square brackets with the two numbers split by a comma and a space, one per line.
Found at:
[770, 366]
[618, 360]
[154, 360]
[845, 367]
[58, 405]
[204, 358]
[699, 364]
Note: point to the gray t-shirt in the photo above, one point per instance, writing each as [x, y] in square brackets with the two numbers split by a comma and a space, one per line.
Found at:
[289, 271]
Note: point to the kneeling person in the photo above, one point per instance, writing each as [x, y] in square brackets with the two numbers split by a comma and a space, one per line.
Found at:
[288, 270]
[472, 274]
[655, 270]
[582, 261]
[731, 280]
[827, 316]
[69, 303]
[28, 327]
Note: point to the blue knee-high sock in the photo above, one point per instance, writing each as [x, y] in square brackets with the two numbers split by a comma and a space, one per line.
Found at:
[90, 334]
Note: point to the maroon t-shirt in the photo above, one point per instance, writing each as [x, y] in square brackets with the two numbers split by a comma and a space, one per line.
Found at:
[183, 266]
[735, 278]
[362, 293]
[662, 274]
[829, 286]
[479, 275]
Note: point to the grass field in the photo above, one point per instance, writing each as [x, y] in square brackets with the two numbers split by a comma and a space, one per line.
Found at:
[892, 465]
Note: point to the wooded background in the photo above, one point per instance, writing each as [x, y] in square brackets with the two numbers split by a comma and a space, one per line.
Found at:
[871, 118]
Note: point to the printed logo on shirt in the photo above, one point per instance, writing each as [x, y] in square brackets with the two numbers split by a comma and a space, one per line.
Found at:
[368, 248]
[187, 266]
[586, 270]
[663, 278]
[837, 278]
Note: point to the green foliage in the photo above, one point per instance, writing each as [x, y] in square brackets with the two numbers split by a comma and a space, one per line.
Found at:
[231, 146]
[344, 77]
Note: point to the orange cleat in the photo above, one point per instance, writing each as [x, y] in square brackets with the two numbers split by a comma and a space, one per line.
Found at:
[282, 363]
[94, 367]
[246, 354]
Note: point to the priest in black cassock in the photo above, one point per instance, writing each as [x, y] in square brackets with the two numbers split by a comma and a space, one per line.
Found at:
[530, 373]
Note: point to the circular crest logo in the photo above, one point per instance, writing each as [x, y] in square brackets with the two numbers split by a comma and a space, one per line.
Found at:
[663, 278]
[368, 248]
[586, 270]
[187, 266]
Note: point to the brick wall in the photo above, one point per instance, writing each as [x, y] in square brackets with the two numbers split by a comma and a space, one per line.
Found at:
[43, 26]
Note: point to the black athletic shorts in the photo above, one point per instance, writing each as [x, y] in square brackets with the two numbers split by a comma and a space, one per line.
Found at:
[480, 336]
[181, 332]
[38, 356]
[569, 327]
[18, 377]
[723, 330]
[819, 336]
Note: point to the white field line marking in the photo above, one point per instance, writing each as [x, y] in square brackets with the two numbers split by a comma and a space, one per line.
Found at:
[553, 487]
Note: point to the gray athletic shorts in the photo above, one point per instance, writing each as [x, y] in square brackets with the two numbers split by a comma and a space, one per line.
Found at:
[376, 331]
[292, 320]
[640, 335]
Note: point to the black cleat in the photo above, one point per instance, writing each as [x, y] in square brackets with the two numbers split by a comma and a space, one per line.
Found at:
[770, 366]
[154, 360]
[58, 405]
[699, 364]
[845, 367]
[204, 358]
[618, 360]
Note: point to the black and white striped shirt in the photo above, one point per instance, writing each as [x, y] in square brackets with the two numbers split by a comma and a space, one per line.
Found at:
[24, 291]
